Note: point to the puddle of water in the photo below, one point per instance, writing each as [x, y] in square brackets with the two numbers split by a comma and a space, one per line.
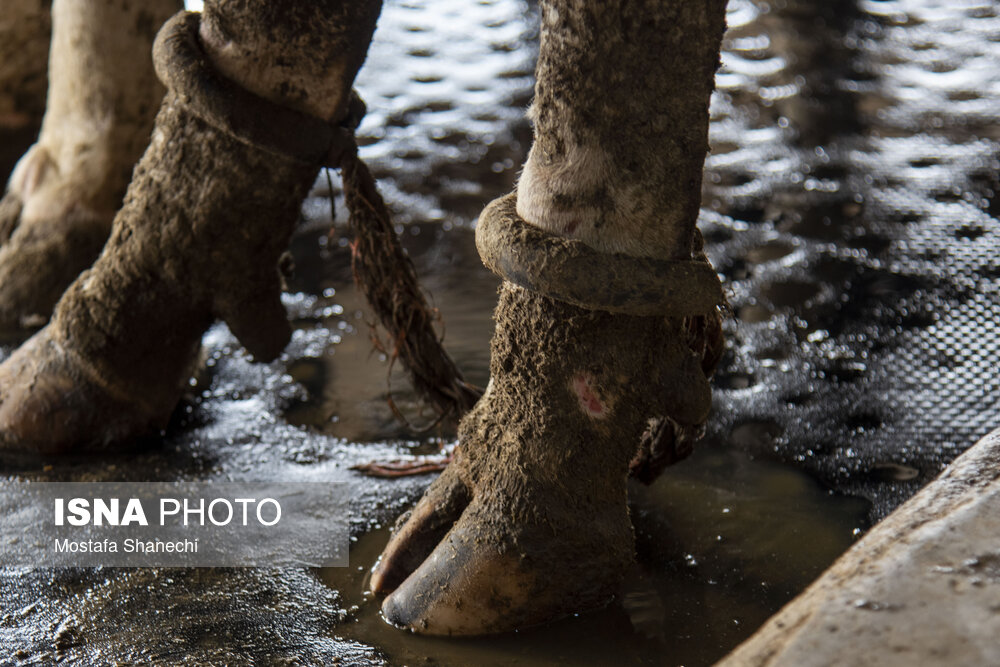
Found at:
[348, 383]
[723, 542]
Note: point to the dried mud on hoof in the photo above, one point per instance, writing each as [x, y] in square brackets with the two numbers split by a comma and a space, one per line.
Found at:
[529, 523]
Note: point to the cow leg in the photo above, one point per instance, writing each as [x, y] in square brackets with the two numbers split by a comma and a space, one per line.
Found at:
[62, 196]
[238, 141]
[529, 522]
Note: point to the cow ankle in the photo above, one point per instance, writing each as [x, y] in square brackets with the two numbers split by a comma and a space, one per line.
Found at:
[582, 193]
[304, 59]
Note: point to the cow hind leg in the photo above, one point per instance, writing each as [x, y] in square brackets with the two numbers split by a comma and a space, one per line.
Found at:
[530, 521]
[62, 196]
[237, 143]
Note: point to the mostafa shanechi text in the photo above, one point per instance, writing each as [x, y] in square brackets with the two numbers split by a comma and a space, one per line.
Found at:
[128, 545]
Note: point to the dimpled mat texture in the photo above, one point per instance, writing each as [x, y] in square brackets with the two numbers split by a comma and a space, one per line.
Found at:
[851, 204]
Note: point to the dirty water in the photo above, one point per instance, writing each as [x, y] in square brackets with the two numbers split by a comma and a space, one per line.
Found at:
[850, 203]
[693, 593]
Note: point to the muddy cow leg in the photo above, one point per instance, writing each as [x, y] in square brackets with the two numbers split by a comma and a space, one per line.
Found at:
[62, 196]
[252, 88]
[529, 522]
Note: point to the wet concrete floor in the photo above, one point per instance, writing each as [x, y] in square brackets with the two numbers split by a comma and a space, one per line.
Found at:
[850, 203]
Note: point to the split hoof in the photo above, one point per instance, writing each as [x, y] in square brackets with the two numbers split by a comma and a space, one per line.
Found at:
[529, 522]
[420, 530]
[495, 572]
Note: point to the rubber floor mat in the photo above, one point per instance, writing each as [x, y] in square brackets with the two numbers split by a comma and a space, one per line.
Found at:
[852, 205]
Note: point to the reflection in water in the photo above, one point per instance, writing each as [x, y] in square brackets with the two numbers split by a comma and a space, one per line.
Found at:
[349, 383]
[856, 135]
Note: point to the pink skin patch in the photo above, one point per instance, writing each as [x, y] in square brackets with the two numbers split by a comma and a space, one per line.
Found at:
[571, 226]
[590, 403]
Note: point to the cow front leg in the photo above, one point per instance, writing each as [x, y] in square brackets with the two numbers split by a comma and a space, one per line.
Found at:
[596, 327]
[63, 194]
[252, 89]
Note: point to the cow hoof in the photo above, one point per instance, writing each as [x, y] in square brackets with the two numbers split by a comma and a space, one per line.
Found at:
[508, 551]
[529, 522]
[53, 402]
[496, 573]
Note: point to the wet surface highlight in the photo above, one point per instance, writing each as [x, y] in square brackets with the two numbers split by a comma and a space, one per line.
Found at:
[850, 204]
